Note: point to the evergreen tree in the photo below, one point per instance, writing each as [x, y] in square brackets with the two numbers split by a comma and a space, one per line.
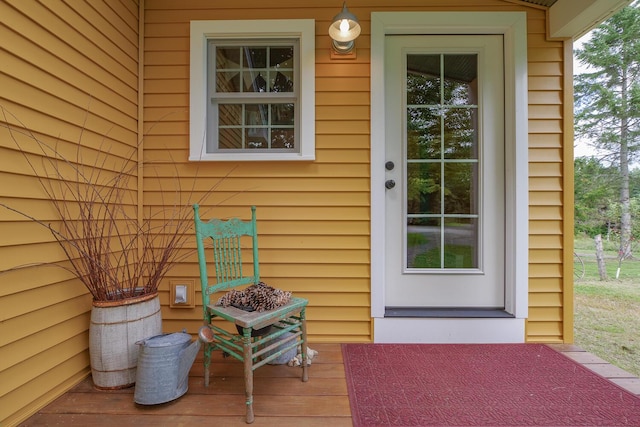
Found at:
[608, 101]
[595, 197]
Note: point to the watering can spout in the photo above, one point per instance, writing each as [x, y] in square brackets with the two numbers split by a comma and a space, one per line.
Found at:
[187, 357]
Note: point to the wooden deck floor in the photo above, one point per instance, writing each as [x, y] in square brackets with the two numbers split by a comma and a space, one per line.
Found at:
[280, 399]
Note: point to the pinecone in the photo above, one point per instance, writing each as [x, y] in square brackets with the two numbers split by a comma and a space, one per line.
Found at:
[259, 297]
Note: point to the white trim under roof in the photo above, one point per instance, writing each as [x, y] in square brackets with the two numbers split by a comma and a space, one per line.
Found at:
[574, 18]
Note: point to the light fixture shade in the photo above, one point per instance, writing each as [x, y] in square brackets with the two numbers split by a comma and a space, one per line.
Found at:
[350, 27]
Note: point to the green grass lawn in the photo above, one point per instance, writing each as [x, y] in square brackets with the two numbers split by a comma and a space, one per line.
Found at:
[607, 313]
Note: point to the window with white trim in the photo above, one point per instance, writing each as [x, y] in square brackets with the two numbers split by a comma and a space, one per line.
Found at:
[252, 90]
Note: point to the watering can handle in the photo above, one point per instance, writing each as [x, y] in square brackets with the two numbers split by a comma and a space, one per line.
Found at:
[144, 340]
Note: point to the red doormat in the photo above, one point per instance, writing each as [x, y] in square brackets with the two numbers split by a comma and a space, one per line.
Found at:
[479, 385]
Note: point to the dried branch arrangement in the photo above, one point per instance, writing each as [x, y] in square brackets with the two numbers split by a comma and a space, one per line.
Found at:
[112, 251]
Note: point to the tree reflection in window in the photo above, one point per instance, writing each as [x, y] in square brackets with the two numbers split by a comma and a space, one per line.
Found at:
[442, 148]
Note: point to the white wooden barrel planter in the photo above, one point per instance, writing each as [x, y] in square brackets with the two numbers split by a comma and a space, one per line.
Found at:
[115, 328]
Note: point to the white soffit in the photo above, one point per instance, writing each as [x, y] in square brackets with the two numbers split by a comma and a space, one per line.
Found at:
[575, 18]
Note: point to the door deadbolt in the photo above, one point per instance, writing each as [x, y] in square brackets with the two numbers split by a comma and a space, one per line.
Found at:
[390, 184]
[389, 166]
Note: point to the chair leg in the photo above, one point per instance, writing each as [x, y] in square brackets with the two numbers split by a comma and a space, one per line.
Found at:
[303, 349]
[207, 348]
[248, 373]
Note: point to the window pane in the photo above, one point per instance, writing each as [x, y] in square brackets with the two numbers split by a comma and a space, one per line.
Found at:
[228, 81]
[229, 138]
[423, 79]
[227, 58]
[423, 188]
[256, 138]
[460, 243]
[256, 115]
[460, 79]
[255, 57]
[254, 81]
[281, 57]
[423, 133]
[230, 114]
[282, 81]
[460, 136]
[461, 188]
[282, 114]
[423, 243]
[282, 138]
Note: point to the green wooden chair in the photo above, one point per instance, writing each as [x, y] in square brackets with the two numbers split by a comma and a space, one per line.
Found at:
[265, 335]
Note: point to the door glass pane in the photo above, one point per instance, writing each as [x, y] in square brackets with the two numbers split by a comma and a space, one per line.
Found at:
[461, 188]
[423, 188]
[460, 79]
[423, 243]
[460, 237]
[423, 79]
[442, 162]
[423, 133]
[460, 133]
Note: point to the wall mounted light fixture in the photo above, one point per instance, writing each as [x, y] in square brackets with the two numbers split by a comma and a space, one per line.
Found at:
[344, 29]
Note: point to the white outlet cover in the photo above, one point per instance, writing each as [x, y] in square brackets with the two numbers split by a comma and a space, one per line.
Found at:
[181, 294]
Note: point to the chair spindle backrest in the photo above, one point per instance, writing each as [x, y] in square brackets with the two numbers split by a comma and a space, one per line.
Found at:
[225, 238]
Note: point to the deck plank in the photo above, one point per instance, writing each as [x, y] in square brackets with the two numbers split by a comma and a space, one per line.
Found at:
[96, 420]
[201, 404]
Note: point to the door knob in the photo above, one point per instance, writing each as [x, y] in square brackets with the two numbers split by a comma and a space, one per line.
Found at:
[390, 184]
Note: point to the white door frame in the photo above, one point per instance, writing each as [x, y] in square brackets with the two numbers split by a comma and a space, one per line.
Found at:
[512, 25]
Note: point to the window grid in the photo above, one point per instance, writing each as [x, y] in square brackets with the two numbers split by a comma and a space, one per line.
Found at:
[268, 91]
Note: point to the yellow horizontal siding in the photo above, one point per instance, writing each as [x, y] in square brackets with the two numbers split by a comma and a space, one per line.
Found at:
[551, 314]
[37, 276]
[546, 212]
[342, 125]
[43, 390]
[545, 284]
[545, 169]
[17, 352]
[547, 97]
[547, 226]
[271, 198]
[545, 69]
[279, 184]
[544, 331]
[69, 73]
[545, 140]
[105, 77]
[543, 241]
[543, 270]
[546, 199]
[541, 112]
[545, 184]
[544, 255]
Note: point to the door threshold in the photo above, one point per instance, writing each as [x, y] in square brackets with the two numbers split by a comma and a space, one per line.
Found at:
[447, 312]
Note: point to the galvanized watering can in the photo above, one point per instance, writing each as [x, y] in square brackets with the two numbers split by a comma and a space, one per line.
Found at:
[164, 362]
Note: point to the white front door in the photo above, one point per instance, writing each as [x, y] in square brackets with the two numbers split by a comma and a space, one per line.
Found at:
[449, 241]
[444, 174]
